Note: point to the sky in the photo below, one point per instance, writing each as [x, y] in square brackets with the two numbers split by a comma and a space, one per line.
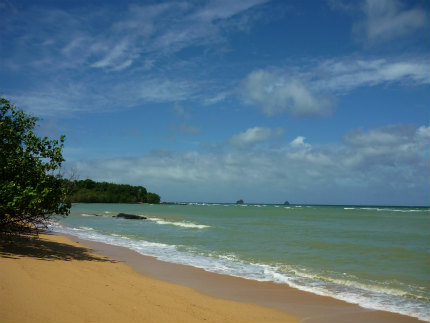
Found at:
[314, 102]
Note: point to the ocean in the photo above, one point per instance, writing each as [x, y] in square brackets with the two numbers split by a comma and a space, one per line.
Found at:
[377, 257]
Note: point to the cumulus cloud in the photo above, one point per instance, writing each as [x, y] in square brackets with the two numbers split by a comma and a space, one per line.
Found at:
[299, 142]
[311, 91]
[391, 146]
[390, 19]
[275, 93]
[382, 165]
[254, 135]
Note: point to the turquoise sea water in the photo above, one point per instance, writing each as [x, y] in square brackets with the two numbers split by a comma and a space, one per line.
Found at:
[378, 257]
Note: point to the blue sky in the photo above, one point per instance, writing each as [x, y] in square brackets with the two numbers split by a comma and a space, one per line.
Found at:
[307, 101]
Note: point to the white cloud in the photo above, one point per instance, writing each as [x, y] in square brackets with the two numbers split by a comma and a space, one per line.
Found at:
[347, 74]
[225, 9]
[384, 165]
[160, 90]
[391, 19]
[275, 94]
[217, 98]
[310, 91]
[113, 38]
[67, 97]
[391, 146]
[118, 57]
[423, 135]
[254, 135]
[299, 142]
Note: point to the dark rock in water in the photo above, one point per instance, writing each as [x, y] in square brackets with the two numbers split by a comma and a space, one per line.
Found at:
[287, 203]
[130, 216]
[239, 202]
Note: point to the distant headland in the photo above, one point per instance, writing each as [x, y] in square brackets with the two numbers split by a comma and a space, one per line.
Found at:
[89, 191]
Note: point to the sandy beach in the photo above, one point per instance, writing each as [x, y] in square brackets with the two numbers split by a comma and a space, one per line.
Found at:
[57, 280]
[61, 279]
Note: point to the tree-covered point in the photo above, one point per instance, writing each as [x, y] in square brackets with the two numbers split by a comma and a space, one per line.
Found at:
[89, 191]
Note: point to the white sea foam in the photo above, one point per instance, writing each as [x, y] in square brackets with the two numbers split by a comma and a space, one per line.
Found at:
[86, 228]
[179, 224]
[402, 211]
[378, 209]
[85, 214]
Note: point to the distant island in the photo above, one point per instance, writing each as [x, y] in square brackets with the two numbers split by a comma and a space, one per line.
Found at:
[239, 202]
[89, 191]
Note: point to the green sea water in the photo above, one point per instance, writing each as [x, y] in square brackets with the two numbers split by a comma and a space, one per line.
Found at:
[378, 257]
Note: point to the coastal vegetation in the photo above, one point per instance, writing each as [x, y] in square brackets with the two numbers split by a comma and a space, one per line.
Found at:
[31, 188]
[89, 191]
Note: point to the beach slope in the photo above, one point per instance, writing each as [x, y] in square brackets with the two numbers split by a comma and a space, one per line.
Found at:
[54, 279]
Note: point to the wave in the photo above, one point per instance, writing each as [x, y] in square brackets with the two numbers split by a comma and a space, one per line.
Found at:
[403, 211]
[86, 228]
[179, 224]
[378, 209]
[346, 288]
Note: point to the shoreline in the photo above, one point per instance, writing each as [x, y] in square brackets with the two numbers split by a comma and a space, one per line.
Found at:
[54, 279]
[309, 307]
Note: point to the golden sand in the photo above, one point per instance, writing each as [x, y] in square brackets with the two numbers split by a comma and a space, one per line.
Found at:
[56, 280]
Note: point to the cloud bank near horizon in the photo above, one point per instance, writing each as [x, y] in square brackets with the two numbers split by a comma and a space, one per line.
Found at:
[392, 159]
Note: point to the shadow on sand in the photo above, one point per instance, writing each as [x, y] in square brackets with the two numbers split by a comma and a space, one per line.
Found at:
[42, 249]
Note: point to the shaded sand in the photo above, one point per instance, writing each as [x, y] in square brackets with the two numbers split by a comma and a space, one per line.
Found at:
[57, 280]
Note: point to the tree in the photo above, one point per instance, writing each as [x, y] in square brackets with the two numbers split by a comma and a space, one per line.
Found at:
[89, 191]
[152, 198]
[31, 189]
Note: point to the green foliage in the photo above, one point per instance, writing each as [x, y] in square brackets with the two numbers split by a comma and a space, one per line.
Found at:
[89, 191]
[153, 198]
[30, 192]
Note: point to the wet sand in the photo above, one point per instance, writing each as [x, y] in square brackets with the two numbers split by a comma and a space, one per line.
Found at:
[307, 306]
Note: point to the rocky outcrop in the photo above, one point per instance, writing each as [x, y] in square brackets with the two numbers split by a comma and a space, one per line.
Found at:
[129, 216]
